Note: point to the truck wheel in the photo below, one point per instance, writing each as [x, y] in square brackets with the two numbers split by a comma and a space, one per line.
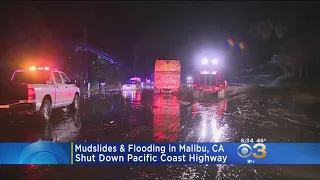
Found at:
[76, 103]
[45, 110]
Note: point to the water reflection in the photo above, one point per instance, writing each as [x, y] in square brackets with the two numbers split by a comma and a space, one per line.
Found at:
[166, 122]
[212, 127]
[198, 122]
[66, 131]
[103, 104]
[134, 97]
[102, 95]
[87, 96]
[210, 130]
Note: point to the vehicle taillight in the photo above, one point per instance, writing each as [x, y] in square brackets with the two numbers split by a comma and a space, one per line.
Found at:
[31, 93]
[195, 85]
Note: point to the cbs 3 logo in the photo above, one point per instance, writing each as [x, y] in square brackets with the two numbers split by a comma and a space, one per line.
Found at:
[245, 151]
[44, 152]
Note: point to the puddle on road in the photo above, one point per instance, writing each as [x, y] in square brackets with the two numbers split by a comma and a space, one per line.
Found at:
[66, 131]
[175, 120]
[166, 118]
[63, 126]
[204, 123]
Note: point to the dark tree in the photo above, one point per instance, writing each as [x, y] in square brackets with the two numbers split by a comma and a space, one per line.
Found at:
[101, 70]
[266, 30]
[268, 37]
[303, 52]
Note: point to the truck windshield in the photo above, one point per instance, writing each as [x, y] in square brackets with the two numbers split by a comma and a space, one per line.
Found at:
[31, 77]
[209, 79]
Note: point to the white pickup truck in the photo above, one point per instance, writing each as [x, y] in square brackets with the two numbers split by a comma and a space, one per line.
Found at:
[36, 91]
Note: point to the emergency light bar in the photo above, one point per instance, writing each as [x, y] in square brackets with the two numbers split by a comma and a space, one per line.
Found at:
[208, 72]
[135, 79]
[33, 68]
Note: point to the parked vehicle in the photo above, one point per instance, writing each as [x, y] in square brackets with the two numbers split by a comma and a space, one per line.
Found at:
[132, 84]
[36, 91]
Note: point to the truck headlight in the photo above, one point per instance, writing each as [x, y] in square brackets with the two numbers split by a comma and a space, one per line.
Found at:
[204, 61]
[215, 61]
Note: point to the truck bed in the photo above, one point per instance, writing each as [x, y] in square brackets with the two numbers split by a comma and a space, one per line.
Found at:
[11, 93]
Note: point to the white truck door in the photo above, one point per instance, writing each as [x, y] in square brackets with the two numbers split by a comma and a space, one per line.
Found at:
[70, 91]
[60, 89]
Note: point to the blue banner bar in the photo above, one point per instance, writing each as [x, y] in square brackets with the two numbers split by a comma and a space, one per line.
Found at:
[40, 152]
[44, 152]
[197, 153]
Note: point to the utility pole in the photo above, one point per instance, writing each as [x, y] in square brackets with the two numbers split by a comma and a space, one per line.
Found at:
[134, 61]
[135, 56]
[85, 55]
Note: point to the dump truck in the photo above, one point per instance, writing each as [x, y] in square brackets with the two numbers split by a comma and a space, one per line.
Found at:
[167, 76]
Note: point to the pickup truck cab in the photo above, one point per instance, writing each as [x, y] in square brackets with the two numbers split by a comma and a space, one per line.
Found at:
[36, 91]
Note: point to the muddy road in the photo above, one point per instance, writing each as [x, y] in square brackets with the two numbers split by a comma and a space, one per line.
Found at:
[145, 117]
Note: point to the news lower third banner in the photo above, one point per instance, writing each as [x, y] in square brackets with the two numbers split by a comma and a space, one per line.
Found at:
[45, 152]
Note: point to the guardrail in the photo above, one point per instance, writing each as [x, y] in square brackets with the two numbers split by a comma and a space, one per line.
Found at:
[236, 84]
[264, 79]
[257, 79]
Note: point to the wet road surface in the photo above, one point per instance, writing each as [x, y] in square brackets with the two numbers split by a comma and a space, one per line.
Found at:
[145, 117]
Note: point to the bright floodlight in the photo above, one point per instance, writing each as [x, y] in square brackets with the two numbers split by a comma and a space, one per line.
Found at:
[204, 61]
[215, 61]
[189, 78]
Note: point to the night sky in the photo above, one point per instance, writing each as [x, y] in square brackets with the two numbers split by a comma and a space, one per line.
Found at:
[166, 30]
